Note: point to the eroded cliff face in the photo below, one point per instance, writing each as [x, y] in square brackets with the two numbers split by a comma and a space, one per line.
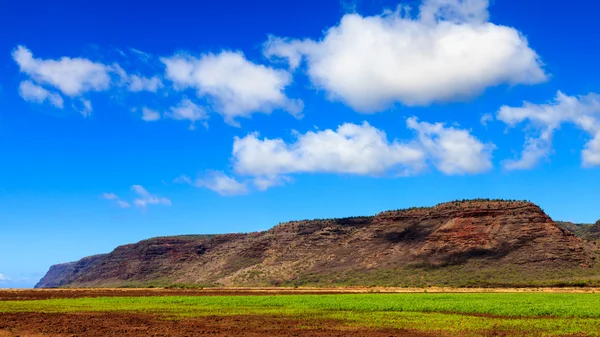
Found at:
[471, 233]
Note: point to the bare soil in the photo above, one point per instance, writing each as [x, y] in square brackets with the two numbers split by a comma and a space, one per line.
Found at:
[41, 294]
[126, 325]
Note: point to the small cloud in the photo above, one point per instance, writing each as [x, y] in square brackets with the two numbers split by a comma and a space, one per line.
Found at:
[110, 196]
[216, 181]
[235, 87]
[4, 278]
[145, 198]
[84, 107]
[72, 76]
[187, 110]
[183, 179]
[222, 184]
[486, 119]
[139, 83]
[150, 115]
[113, 197]
[32, 92]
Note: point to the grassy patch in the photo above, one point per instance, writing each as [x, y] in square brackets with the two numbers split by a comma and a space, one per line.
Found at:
[534, 314]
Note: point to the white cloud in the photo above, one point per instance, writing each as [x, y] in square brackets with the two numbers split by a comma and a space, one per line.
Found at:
[544, 119]
[86, 107]
[449, 52]
[187, 110]
[72, 76]
[32, 92]
[235, 86]
[4, 278]
[360, 150]
[150, 115]
[353, 149]
[453, 151]
[144, 198]
[221, 183]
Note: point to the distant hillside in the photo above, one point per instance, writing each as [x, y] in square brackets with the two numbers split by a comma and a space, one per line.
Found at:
[461, 243]
[585, 231]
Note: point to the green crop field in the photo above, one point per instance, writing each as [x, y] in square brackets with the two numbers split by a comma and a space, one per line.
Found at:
[477, 314]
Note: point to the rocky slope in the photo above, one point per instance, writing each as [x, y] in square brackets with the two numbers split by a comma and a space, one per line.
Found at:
[585, 231]
[475, 242]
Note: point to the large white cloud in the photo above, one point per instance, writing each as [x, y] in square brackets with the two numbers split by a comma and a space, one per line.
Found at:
[235, 86]
[544, 119]
[449, 52]
[72, 76]
[32, 92]
[352, 148]
[361, 150]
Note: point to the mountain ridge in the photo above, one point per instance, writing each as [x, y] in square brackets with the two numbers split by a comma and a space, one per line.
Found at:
[459, 243]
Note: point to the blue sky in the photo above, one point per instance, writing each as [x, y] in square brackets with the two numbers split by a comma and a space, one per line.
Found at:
[120, 122]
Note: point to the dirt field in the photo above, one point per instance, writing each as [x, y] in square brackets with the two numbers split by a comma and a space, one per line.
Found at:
[152, 323]
[39, 294]
[129, 324]
[117, 324]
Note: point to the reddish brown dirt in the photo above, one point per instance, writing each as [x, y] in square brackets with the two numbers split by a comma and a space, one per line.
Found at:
[126, 325]
[43, 294]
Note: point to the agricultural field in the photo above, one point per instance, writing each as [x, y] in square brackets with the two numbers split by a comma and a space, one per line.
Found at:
[298, 313]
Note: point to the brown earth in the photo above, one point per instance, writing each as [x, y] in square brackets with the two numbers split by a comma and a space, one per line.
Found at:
[44, 294]
[493, 234]
[129, 325]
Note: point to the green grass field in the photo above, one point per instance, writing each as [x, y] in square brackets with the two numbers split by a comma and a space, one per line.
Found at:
[477, 314]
